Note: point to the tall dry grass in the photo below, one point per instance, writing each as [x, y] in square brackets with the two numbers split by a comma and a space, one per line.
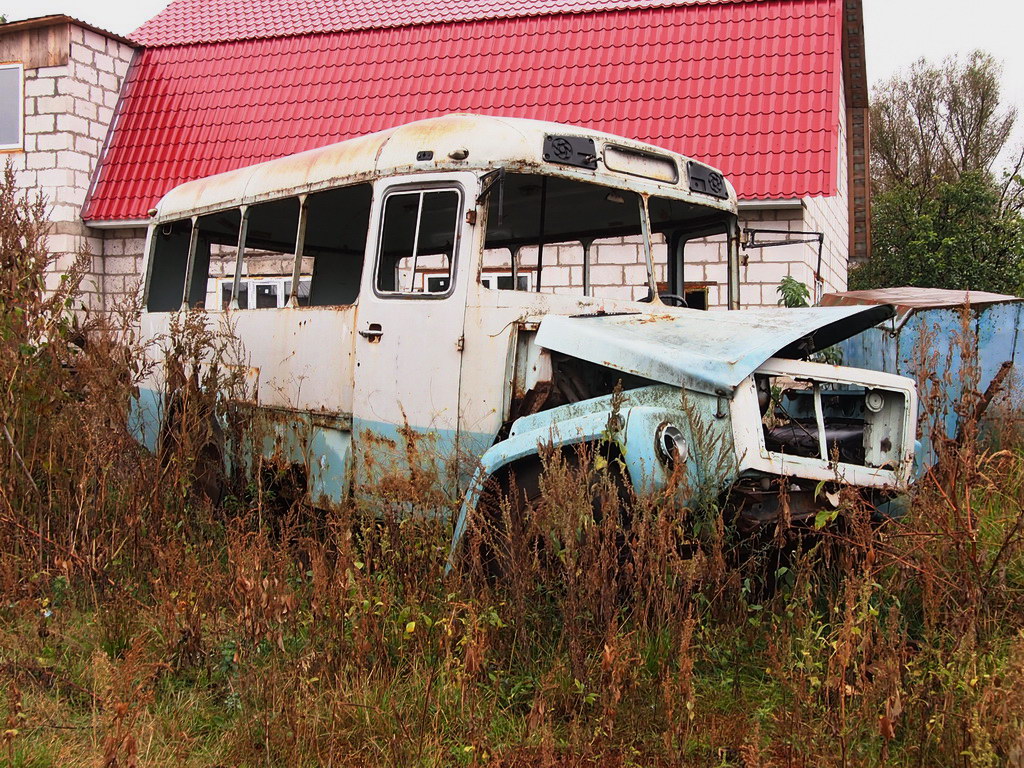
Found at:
[144, 623]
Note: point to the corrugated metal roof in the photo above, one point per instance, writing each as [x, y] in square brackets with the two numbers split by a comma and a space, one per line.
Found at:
[210, 21]
[752, 88]
[908, 300]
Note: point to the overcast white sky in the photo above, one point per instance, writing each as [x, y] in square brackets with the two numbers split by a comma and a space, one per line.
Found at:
[898, 31]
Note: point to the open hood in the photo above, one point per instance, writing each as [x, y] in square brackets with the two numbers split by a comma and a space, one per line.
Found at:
[707, 351]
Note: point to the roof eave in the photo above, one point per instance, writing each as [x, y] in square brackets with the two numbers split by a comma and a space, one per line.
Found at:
[116, 223]
[40, 22]
[786, 204]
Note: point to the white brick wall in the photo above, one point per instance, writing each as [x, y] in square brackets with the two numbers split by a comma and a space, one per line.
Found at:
[68, 110]
[122, 264]
[831, 215]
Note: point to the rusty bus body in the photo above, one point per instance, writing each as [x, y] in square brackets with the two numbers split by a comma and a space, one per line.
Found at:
[384, 324]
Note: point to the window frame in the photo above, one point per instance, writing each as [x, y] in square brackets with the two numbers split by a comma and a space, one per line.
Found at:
[404, 189]
[19, 146]
[703, 287]
[238, 255]
[152, 245]
[283, 297]
[488, 274]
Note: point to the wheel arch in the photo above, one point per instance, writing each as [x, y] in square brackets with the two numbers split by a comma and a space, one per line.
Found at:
[506, 455]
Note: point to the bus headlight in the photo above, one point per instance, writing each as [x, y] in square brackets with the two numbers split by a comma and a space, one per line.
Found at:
[671, 445]
[874, 401]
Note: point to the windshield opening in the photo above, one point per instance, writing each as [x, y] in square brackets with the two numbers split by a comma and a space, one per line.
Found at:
[554, 235]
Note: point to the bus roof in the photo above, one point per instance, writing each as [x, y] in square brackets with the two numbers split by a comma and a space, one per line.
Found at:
[454, 142]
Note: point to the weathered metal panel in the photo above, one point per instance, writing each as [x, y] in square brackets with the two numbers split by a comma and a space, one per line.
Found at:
[304, 355]
[927, 346]
[749, 431]
[457, 143]
[907, 299]
[632, 427]
[705, 351]
[318, 444]
[409, 351]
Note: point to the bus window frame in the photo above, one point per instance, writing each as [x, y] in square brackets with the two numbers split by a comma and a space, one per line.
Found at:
[405, 188]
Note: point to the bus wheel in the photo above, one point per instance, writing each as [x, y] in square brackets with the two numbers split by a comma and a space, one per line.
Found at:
[509, 537]
[209, 480]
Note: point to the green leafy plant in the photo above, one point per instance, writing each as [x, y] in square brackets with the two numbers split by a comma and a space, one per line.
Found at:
[793, 293]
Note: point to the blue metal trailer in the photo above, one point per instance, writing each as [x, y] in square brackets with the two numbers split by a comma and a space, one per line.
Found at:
[926, 339]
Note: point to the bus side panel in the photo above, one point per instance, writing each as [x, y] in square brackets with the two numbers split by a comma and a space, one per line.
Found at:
[314, 451]
[146, 411]
[304, 356]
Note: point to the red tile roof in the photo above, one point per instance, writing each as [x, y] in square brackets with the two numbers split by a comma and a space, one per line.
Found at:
[212, 21]
[752, 87]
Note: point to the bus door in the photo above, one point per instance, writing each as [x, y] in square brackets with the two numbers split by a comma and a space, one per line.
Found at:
[410, 336]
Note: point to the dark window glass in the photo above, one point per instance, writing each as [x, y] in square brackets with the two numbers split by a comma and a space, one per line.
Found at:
[266, 295]
[169, 262]
[336, 225]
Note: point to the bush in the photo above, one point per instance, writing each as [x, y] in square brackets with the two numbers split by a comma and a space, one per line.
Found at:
[960, 238]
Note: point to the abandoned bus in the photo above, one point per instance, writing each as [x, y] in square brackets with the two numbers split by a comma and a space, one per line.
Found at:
[436, 294]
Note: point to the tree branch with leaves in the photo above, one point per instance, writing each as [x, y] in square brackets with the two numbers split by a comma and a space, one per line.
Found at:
[942, 216]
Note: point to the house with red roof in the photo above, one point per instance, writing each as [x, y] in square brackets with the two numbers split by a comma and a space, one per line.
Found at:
[772, 92]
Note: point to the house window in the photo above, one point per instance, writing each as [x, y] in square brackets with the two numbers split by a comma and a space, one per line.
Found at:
[12, 103]
[696, 295]
[268, 292]
[503, 282]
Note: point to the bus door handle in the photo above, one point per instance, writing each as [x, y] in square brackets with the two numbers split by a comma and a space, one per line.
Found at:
[373, 332]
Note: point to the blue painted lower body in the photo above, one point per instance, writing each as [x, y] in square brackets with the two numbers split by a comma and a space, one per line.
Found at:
[145, 415]
[392, 459]
[631, 426]
[337, 456]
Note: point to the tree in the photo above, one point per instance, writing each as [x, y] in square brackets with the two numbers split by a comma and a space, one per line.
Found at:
[958, 238]
[940, 216]
[938, 122]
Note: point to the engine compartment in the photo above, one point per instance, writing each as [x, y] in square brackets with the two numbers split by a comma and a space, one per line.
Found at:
[837, 422]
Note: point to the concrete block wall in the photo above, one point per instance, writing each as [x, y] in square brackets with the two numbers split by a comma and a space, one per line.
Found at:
[617, 268]
[831, 215]
[762, 269]
[118, 265]
[68, 111]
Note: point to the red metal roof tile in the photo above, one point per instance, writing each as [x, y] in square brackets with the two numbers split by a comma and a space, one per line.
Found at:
[752, 87]
[209, 21]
